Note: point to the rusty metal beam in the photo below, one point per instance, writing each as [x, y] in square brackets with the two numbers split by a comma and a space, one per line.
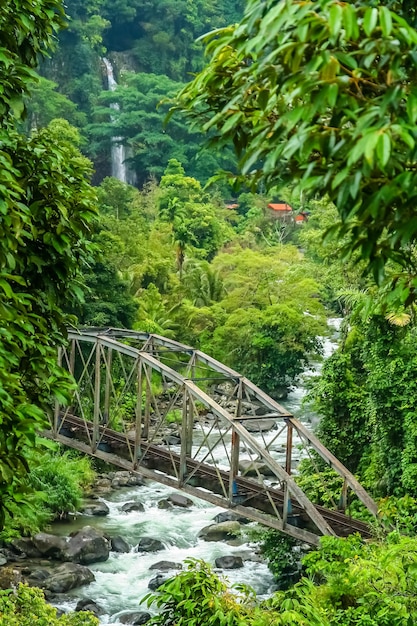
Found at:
[109, 339]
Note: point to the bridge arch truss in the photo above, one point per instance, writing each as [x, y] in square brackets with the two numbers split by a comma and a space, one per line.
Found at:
[177, 416]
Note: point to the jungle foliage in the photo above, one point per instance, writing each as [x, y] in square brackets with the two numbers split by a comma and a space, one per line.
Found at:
[323, 95]
[47, 208]
[27, 606]
[347, 583]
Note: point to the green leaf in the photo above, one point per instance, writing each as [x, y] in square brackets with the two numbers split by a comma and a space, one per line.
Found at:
[335, 19]
[385, 20]
[383, 149]
[370, 20]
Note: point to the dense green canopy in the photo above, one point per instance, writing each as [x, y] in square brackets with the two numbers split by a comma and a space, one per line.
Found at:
[323, 94]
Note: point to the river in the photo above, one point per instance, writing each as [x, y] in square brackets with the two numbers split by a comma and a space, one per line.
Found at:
[123, 580]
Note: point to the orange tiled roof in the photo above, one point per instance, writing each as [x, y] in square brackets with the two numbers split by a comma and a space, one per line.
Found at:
[280, 206]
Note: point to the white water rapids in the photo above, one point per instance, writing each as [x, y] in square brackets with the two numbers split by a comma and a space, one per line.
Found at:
[123, 580]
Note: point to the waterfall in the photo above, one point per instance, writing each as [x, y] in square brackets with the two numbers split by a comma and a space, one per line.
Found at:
[118, 151]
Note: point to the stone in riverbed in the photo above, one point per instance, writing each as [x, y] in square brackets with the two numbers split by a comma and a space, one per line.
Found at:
[132, 506]
[134, 618]
[165, 566]
[86, 604]
[67, 576]
[217, 532]
[24, 546]
[50, 546]
[157, 581]
[178, 500]
[118, 544]
[254, 468]
[229, 562]
[259, 426]
[147, 544]
[165, 504]
[230, 516]
[87, 546]
[95, 508]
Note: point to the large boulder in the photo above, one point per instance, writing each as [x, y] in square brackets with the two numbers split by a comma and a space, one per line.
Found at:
[230, 516]
[165, 566]
[24, 547]
[126, 479]
[97, 508]
[50, 546]
[86, 604]
[157, 581]
[254, 468]
[259, 426]
[229, 562]
[102, 485]
[178, 500]
[87, 546]
[148, 544]
[118, 544]
[129, 507]
[65, 577]
[134, 618]
[218, 532]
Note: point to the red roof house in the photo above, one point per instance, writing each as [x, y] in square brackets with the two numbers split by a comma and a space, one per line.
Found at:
[281, 211]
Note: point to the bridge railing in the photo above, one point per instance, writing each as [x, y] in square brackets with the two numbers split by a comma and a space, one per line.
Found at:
[181, 417]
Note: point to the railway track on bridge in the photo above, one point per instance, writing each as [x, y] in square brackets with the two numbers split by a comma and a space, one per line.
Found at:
[116, 447]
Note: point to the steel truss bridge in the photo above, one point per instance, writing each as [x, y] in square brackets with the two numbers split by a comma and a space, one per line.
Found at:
[151, 405]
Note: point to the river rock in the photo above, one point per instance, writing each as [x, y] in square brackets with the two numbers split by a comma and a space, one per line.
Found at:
[118, 544]
[230, 516]
[157, 581]
[254, 468]
[229, 562]
[259, 426]
[178, 500]
[135, 618]
[87, 546]
[3, 560]
[67, 576]
[50, 546]
[172, 440]
[103, 485]
[165, 566]
[98, 508]
[24, 547]
[165, 504]
[124, 478]
[132, 506]
[147, 544]
[217, 532]
[86, 604]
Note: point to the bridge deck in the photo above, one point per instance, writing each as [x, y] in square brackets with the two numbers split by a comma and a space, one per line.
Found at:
[131, 386]
[208, 482]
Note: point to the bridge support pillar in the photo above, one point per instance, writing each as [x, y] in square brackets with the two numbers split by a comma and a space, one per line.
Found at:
[288, 461]
[186, 433]
[148, 394]
[234, 455]
[138, 414]
[56, 409]
[234, 467]
[97, 386]
[108, 361]
[343, 496]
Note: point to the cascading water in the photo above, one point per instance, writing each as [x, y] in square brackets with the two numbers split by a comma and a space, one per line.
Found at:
[123, 579]
[118, 151]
